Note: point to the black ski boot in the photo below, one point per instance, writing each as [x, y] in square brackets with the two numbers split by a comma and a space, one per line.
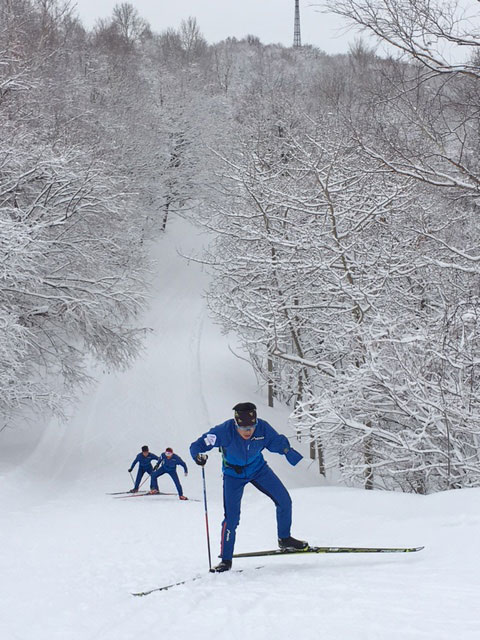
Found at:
[292, 544]
[225, 565]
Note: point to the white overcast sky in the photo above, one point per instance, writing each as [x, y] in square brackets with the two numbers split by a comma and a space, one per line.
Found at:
[270, 20]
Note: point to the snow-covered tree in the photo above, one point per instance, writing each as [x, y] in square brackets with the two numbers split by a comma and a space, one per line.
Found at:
[334, 271]
[71, 281]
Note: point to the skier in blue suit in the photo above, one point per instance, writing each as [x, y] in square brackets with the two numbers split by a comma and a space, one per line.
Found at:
[167, 463]
[144, 460]
[241, 441]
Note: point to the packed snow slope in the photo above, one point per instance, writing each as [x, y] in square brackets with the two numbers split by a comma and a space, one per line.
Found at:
[71, 555]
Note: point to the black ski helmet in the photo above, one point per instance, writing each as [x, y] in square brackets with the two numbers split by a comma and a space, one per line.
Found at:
[245, 414]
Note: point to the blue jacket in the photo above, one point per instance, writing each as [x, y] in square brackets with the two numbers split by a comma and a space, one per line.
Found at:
[170, 464]
[243, 458]
[144, 462]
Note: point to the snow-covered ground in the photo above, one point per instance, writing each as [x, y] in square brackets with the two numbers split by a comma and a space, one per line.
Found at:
[71, 555]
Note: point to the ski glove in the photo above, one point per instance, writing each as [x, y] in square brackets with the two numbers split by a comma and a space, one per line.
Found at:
[129, 471]
[201, 459]
[293, 456]
[155, 468]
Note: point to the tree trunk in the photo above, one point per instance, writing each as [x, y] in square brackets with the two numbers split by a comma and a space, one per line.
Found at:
[321, 459]
[165, 214]
[271, 386]
[313, 451]
[367, 452]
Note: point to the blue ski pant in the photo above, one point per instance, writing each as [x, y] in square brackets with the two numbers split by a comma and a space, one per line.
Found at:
[141, 471]
[269, 484]
[172, 473]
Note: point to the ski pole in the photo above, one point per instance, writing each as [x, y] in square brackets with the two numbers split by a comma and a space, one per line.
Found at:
[206, 519]
[133, 481]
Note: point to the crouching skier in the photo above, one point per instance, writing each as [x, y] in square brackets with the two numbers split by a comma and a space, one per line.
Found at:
[167, 463]
[144, 460]
[241, 441]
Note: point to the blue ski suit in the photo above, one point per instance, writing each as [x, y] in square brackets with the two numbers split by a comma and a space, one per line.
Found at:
[243, 462]
[169, 465]
[144, 466]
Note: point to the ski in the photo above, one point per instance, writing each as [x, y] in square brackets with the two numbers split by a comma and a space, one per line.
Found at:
[188, 580]
[286, 552]
[122, 493]
[152, 495]
[167, 586]
[141, 494]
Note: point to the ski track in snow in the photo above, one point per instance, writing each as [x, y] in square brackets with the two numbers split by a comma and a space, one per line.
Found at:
[71, 556]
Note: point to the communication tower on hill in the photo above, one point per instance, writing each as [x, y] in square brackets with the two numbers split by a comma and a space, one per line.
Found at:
[297, 38]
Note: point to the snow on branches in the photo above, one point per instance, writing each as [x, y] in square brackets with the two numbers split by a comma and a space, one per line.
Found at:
[340, 277]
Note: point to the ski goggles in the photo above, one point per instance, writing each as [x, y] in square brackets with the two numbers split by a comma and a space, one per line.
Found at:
[251, 427]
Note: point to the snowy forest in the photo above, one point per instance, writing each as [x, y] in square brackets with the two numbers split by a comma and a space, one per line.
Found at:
[340, 194]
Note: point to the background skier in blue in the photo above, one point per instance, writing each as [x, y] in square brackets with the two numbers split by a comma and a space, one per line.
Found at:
[241, 441]
[167, 463]
[144, 460]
